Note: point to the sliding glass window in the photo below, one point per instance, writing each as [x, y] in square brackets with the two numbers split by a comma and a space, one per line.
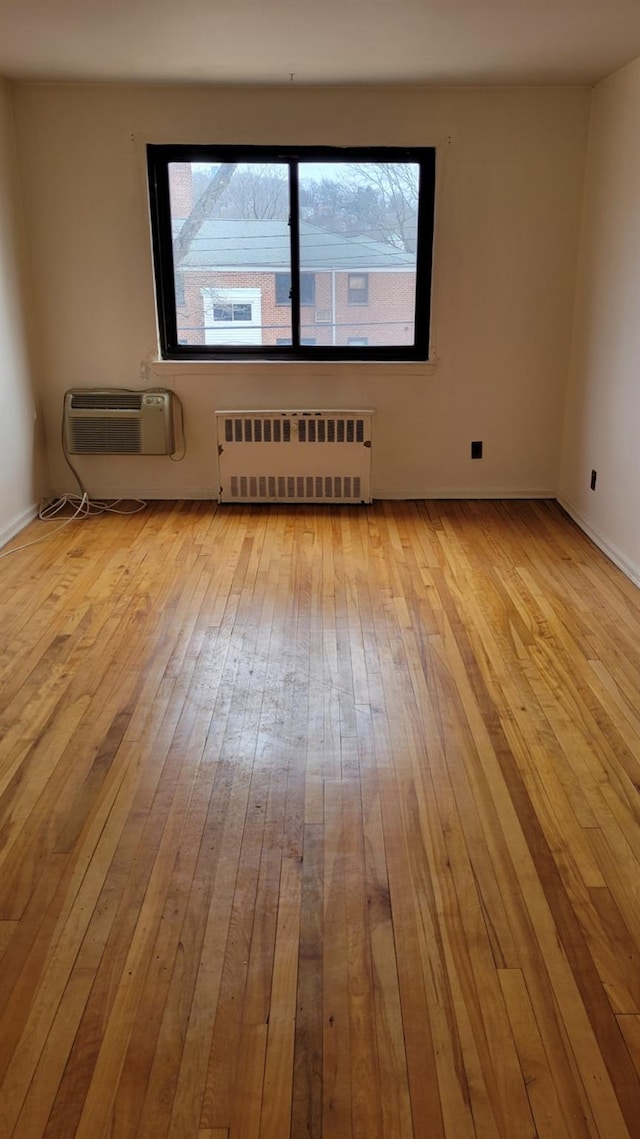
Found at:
[304, 254]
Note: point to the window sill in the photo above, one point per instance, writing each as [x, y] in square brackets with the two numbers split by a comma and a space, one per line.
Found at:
[198, 367]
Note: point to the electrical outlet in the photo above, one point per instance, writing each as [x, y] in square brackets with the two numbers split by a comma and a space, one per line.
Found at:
[594, 476]
[476, 449]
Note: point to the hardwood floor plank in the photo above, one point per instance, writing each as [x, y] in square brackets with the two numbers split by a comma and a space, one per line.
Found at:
[392, 1078]
[24, 965]
[7, 931]
[541, 1088]
[306, 1095]
[614, 952]
[275, 1122]
[336, 1042]
[213, 888]
[630, 1027]
[365, 1067]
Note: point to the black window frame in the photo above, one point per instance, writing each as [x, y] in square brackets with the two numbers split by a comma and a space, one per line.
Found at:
[159, 158]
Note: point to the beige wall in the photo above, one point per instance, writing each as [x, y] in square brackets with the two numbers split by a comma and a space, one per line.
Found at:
[602, 429]
[510, 175]
[21, 480]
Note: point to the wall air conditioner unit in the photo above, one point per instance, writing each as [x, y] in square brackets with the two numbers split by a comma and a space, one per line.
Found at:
[112, 421]
[323, 316]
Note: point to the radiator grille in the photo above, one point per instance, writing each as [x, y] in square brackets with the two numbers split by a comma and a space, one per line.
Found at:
[298, 487]
[280, 430]
[295, 456]
[257, 430]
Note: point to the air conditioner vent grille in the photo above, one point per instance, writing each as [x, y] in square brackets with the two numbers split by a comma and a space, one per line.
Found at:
[105, 436]
[106, 401]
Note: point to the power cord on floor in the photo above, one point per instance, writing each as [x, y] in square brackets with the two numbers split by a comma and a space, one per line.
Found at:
[82, 507]
[88, 506]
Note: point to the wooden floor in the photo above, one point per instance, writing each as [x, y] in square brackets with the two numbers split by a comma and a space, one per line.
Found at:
[319, 822]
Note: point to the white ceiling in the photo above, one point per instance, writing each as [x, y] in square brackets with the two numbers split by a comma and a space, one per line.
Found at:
[319, 41]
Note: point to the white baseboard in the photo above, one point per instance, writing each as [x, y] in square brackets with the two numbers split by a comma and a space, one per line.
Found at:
[615, 555]
[148, 493]
[462, 493]
[211, 493]
[16, 524]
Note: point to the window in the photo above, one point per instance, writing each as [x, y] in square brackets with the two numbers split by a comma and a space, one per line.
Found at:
[265, 251]
[231, 316]
[358, 288]
[230, 312]
[307, 288]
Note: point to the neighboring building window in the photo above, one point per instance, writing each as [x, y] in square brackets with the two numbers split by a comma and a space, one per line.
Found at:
[262, 235]
[307, 288]
[358, 288]
[232, 316]
[231, 312]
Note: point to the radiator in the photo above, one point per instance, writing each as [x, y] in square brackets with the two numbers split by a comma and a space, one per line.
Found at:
[294, 456]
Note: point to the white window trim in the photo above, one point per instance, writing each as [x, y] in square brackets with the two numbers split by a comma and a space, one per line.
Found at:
[230, 331]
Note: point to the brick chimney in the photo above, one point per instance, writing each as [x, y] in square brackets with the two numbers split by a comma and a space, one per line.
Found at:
[181, 189]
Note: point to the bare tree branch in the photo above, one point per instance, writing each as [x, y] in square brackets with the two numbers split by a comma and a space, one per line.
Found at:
[201, 211]
[375, 200]
[396, 187]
